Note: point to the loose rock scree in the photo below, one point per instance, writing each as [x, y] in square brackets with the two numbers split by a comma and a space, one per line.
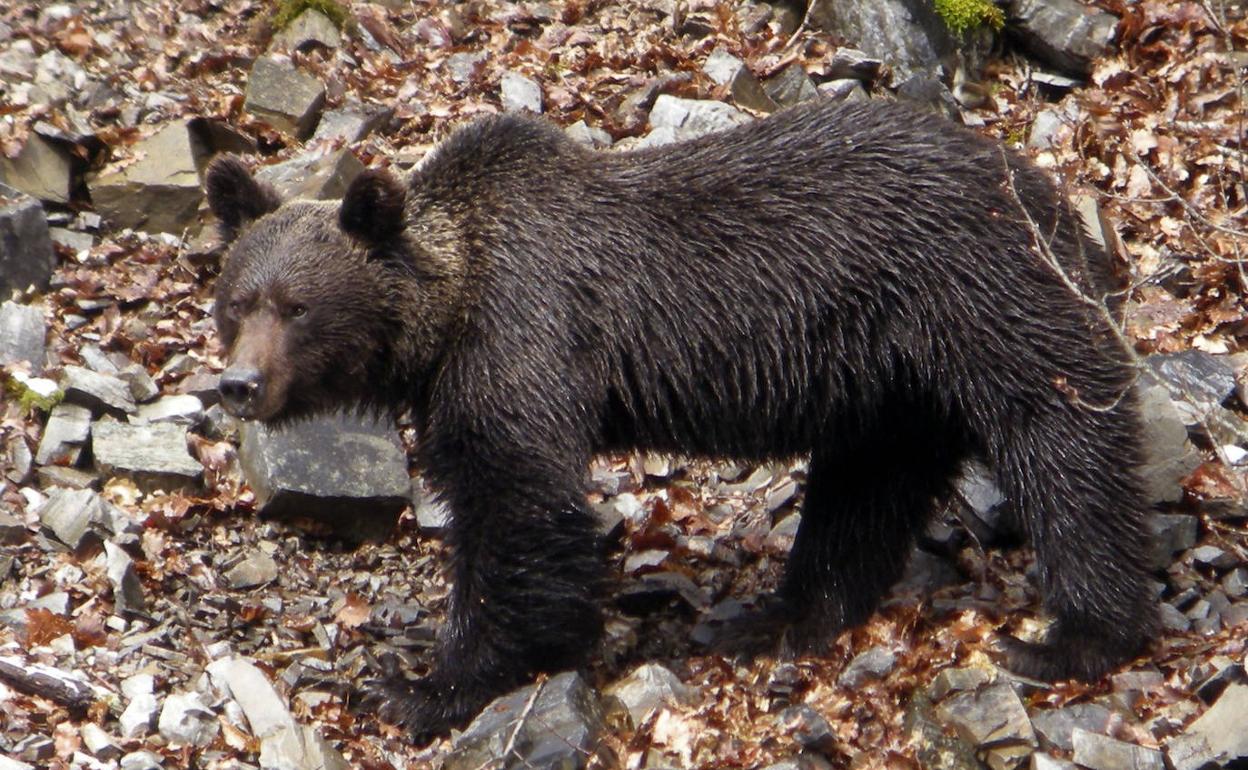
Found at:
[854, 283]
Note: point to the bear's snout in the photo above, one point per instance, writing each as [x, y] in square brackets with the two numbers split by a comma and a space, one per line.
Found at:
[241, 389]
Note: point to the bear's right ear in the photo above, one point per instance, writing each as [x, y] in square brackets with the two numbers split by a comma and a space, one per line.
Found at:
[235, 196]
[372, 209]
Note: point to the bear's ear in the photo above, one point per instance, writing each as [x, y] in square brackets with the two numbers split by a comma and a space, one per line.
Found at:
[372, 209]
[235, 196]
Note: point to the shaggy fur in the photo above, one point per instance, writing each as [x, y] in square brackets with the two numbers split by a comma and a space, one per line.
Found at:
[855, 283]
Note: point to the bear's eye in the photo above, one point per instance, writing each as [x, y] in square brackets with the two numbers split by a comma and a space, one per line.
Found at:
[297, 311]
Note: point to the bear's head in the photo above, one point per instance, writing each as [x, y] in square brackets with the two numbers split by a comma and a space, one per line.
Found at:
[322, 304]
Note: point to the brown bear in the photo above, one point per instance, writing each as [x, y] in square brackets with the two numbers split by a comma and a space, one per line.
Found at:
[877, 289]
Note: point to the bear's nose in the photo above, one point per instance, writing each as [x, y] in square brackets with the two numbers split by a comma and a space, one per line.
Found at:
[240, 388]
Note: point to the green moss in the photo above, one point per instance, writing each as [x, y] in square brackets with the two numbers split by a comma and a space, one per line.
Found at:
[289, 10]
[963, 16]
[28, 399]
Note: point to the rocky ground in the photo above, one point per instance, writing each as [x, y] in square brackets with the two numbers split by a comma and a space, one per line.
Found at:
[149, 617]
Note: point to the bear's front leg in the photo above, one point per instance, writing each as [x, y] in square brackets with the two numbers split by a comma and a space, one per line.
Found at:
[527, 571]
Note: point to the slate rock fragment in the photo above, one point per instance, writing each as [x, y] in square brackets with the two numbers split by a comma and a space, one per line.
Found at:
[26, 255]
[1065, 34]
[562, 727]
[313, 174]
[519, 93]
[352, 122]
[1100, 752]
[67, 431]
[287, 98]
[153, 456]
[158, 193]
[650, 687]
[308, 29]
[344, 471]
[23, 332]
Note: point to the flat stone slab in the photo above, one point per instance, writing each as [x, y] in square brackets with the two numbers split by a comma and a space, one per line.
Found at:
[23, 332]
[98, 392]
[160, 192]
[154, 456]
[341, 470]
[290, 100]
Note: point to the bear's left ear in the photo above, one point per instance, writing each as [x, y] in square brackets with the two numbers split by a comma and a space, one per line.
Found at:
[372, 209]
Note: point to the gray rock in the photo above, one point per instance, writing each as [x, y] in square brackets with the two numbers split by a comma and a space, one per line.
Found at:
[310, 28]
[1099, 752]
[68, 428]
[26, 255]
[519, 93]
[255, 568]
[909, 36]
[809, 728]
[101, 745]
[1055, 727]
[1170, 457]
[265, 710]
[43, 170]
[22, 334]
[1042, 761]
[951, 680]
[20, 459]
[158, 193]
[1217, 736]
[694, 117]
[590, 136]
[850, 63]
[875, 663]
[432, 515]
[648, 688]
[127, 590]
[780, 538]
[181, 410]
[70, 514]
[352, 122]
[287, 98]
[1235, 583]
[79, 244]
[929, 92]
[1063, 33]
[12, 529]
[141, 385]
[993, 719]
[1050, 126]
[790, 86]
[1171, 533]
[462, 67]
[313, 174]
[142, 760]
[727, 70]
[186, 721]
[1215, 557]
[1198, 382]
[345, 471]
[141, 708]
[1173, 619]
[561, 728]
[153, 456]
[842, 90]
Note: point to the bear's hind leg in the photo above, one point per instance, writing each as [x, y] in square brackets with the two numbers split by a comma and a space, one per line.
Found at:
[869, 493]
[1070, 472]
